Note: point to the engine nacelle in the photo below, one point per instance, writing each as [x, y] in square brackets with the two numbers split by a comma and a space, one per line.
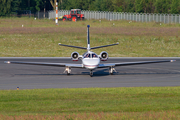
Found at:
[104, 56]
[75, 56]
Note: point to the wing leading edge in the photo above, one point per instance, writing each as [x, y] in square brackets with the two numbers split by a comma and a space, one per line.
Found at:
[132, 63]
[81, 65]
[47, 64]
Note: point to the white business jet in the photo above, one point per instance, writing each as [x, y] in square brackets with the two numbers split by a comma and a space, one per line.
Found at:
[90, 60]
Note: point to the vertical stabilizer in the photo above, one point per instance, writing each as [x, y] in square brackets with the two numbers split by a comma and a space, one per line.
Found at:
[88, 40]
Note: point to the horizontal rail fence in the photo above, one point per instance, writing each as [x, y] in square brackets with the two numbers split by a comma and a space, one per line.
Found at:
[139, 17]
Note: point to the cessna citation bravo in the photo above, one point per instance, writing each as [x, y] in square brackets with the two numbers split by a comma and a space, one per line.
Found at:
[90, 60]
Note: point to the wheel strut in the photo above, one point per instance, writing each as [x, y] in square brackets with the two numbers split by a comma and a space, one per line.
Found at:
[67, 70]
[91, 73]
[111, 70]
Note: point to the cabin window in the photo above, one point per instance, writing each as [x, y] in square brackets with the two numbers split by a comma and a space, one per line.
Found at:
[78, 12]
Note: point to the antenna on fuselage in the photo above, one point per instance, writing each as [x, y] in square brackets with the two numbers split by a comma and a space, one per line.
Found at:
[88, 40]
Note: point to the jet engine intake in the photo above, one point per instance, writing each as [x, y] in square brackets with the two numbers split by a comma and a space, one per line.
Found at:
[75, 56]
[104, 56]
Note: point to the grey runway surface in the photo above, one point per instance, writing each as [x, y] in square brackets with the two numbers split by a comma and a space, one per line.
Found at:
[36, 77]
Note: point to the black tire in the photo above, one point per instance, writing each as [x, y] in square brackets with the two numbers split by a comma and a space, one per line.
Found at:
[64, 19]
[91, 73]
[74, 18]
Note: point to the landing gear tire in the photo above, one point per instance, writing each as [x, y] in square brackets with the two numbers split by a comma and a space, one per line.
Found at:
[91, 73]
[67, 70]
[111, 70]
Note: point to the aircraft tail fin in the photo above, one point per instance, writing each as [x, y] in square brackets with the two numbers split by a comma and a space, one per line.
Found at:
[88, 40]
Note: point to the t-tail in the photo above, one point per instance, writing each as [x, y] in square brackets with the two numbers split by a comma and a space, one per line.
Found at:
[88, 43]
[88, 40]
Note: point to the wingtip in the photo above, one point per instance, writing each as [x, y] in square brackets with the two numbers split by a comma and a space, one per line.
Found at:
[172, 60]
[7, 62]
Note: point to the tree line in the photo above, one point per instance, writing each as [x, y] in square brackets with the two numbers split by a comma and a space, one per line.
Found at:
[8, 7]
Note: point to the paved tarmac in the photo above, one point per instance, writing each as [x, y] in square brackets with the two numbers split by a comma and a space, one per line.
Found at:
[36, 77]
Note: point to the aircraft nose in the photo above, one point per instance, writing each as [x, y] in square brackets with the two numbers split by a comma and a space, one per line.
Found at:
[91, 64]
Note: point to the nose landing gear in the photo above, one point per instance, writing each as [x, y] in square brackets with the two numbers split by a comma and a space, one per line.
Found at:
[91, 73]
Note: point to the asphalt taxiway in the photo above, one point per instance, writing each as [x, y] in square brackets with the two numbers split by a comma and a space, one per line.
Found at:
[36, 77]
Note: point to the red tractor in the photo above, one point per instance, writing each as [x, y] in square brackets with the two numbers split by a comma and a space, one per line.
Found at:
[74, 15]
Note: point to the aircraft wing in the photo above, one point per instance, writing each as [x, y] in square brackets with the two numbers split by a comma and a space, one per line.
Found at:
[132, 63]
[47, 64]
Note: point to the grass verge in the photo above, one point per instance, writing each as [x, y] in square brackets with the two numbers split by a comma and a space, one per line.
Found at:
[40, 38]
[151, 102]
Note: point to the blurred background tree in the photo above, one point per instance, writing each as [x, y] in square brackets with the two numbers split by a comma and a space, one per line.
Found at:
[8, 7]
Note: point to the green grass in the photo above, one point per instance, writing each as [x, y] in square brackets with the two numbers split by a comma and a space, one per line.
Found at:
[31, 22]
[128, 102]
[163, 115]
[40, 38]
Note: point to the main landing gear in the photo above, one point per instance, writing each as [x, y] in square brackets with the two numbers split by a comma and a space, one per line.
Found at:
[67, 70]
[111, 70]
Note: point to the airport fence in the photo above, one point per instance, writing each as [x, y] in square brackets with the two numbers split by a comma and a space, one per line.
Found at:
[139, 17]
[41, 15]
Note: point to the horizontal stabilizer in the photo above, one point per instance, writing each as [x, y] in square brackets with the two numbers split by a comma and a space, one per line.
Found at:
[72, 46]
[104, 46]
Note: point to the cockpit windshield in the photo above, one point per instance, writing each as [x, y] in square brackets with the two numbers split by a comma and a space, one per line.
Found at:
[89, 55]
[94, 56]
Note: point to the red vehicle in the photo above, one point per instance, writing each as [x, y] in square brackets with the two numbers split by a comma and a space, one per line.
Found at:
[74, 15]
